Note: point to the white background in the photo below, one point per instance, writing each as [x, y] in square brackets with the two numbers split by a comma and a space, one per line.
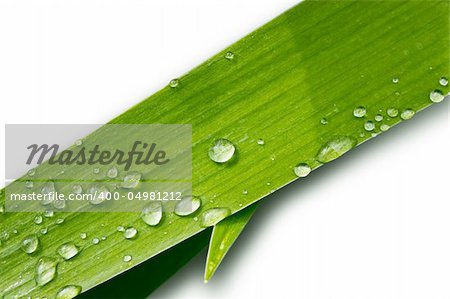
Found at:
[374, 224]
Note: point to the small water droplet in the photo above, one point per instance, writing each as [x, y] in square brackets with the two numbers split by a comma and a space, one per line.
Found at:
[79, 142]
[59, 204]
[68, 292]
[229, 55]
[47, 190]
[324, 121]
[378, 117]
[130, 233]
[127, 258]
[213, 216]
[436, 96]
[260, 141]
[59, 221]
[83, 236]
[392, 112]
[49, 213]
[44, 230]
[45, 270]
[99, 194]
[68, 250]
[120, 228]
[369, 126]
[245, 192]
[174, 83]
[38, 219]
[407, 114]
[222, 151]
[335, 148]
[112, 172]
[96, 170]
[31, 172]
[395, 80]
[131, 180]
[30, 244]
[187, 205]
[384, 127]
[443, 81]
[359, 111]
[152, 213]
[95, 241]
[195, 219]
[302, 170]
[77, 189]
[29, 184]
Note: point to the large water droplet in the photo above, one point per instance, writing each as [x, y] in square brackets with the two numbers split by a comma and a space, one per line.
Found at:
[174, 83]
[213, 216]
[384, 127]
[369, 126]
[229, 55]
[335, 148]
[49, 213]
[59, 204]
[68, 292]
[95, 241]
[131, 180]
[112, 172]
[436, 96]
[378, 117]
[130, 233]
[407, 114]
[68, 250]
[222, 151]
[38, 219]
[47, 190]
[99, 194]
[152, 213]
[443, 81]
[302, 170]
[359, 111]
[30, 244]
[77, 189]
[187, 205]
[45, 270]
[392, 112]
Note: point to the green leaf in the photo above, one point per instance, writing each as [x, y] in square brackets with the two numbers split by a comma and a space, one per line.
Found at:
[294, 83]
[223, 237]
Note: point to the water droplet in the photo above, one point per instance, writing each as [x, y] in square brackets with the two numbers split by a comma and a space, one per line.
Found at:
[45, 270]
[359, 111]
[335, 148]
[59, 204]
[384, 127]
[229, 55]
[79, 142]
[213, 216]
[29, 184]
[131, 180]
[83, 236]
[302, 170]
[120, 228]
[95, 241]
[68, 250]
[47, 190]
[30, 244]
[260, 141]
[222, 151]
[96, 170]
[436, 96]
[443, 81]
[151, 214]
[112, 172]
[395, 80]
[369, 126]
[103, 238]
[38, 219]
[187, 205]
[392, 112]
[174, 83]
[127, 258]
[77, 189]
[99, 194]
[49, 213]
[407, 114]
[195, 219]
[59, 221]
[44, 230]
[31, 172]
[378, 117]
[68, 292]
[324, 121]
[245, 192]
[130, 233]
